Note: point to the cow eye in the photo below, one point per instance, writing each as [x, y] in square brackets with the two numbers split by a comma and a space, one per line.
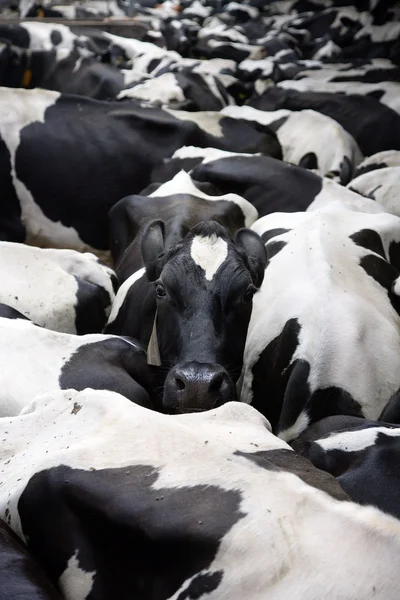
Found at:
[249, 293]
[160, 291]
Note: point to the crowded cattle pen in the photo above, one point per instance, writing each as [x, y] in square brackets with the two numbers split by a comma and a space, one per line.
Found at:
[199, 300]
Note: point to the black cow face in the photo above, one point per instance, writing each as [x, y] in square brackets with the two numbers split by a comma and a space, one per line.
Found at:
[204, 287]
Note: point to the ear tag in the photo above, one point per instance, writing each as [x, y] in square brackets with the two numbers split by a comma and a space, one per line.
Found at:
[153, 351]
[27, 78]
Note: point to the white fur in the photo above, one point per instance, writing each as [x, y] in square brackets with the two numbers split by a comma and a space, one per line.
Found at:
[333, 192]
[354, 441]
[40, 35]
[41, 284]
[383, 185]
[122, 292]
[208, 154]
[207, 120]
[134, 48]
[162, 90]
[182, 183]
[306, 131]
[209, 253]
[75, 583]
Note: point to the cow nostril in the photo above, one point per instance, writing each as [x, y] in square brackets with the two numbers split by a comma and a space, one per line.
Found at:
[216, 383]
[180, 384]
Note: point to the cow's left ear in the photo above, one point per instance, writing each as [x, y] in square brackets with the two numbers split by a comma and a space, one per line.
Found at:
[152, 247]
[252, 244]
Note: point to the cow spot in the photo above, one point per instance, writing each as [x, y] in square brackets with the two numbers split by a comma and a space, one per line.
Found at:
[384, 274]
[288, 461]
[394, 254]
[92, 304]
[270, 372]
[56, 38]
[141, 541]
[377, 94]
[346, 170]
[370, 240]
[275, 125]
[368, 168]
[290, 405]
[200, 585]
[271, 233]
[273, 248]
[309, 161]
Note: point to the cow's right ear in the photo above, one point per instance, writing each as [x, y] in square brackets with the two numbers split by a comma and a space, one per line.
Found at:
[152, 248]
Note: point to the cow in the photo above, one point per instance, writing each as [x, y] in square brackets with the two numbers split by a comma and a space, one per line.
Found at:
[381, 160]
[20, 576]
[69, 71]
[40, 36]
[61, 290]
[113, 498]
[190, 305]
[362, 454]
[373, 71]
[329, 299]
[49, 197]
[270, 185]
[185, 159]
[382, 185]
[36, 360]
[183, 89]
[181, 205]
[358, 115]
[388, 92]
[308, 139]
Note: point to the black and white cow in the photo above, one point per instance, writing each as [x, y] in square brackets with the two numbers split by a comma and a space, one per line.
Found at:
[35, 35]
[61, 290]
[194, 300]
[378, 70]
[69, 71]
[181, 205]
[185, 159]
[308, 139]
[113, 498]
[20, 576]
[382, 185]
[329, 299]
[270, 185]
[359, 115]
[52, 145]
[363, 455]
[185, 89]
[388, 92]
[36, 360]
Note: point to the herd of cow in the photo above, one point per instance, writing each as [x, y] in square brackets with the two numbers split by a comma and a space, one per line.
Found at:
[200, 301]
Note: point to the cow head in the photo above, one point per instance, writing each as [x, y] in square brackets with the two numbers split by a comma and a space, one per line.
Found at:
[204, 287]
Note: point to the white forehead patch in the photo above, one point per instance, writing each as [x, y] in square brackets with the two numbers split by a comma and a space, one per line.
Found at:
[209, 252]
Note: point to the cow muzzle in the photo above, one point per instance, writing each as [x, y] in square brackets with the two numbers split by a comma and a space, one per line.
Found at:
[195, 387]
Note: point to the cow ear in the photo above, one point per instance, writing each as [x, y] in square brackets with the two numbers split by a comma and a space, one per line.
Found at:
[152, 248]
[254, 248]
